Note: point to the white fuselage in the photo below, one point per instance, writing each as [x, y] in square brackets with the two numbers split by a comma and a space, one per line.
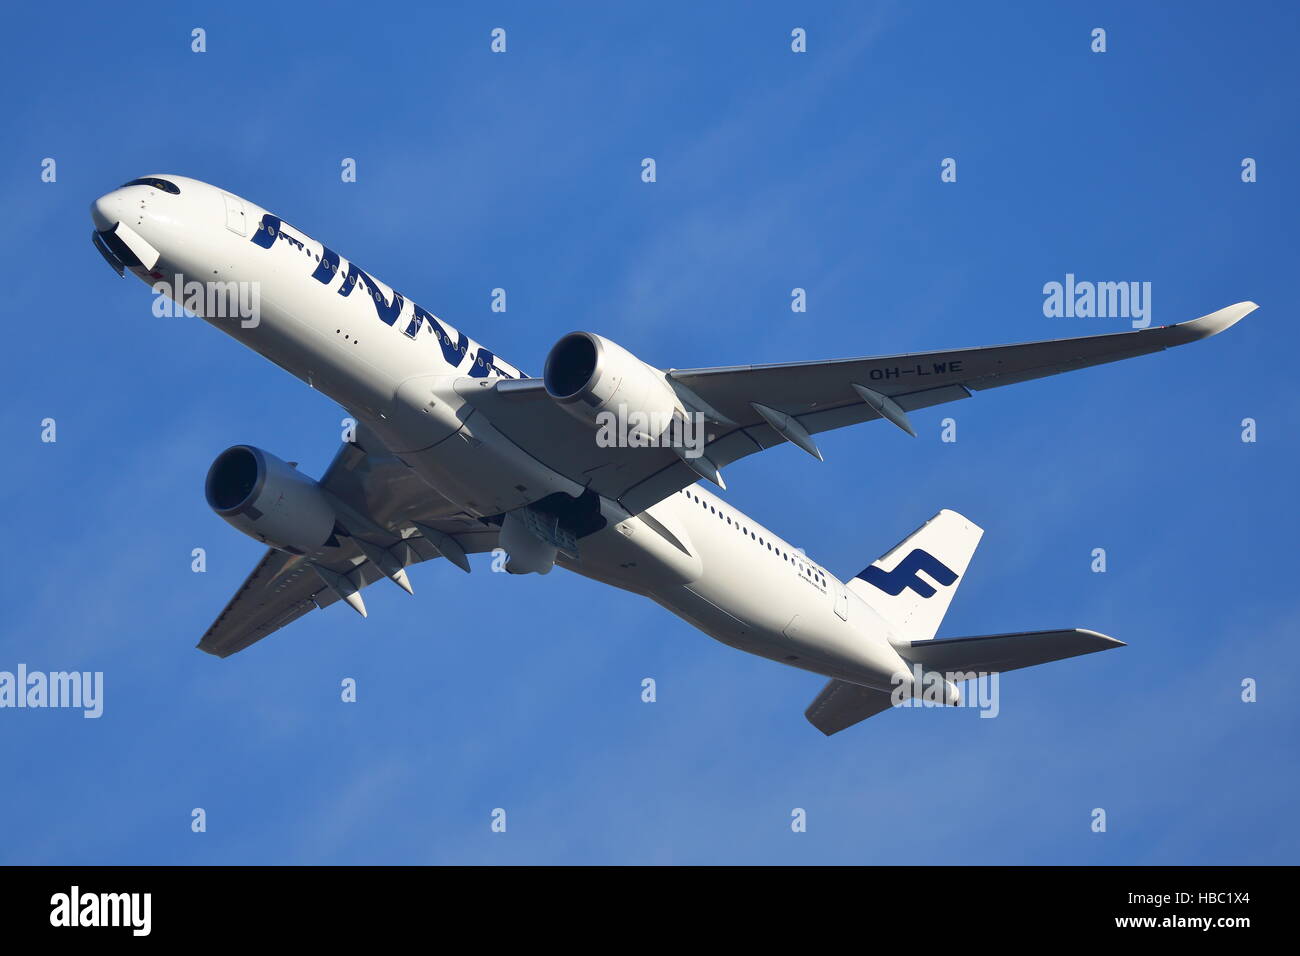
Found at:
[392, 365]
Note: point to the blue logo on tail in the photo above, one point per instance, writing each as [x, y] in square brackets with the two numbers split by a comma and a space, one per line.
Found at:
[904, 575]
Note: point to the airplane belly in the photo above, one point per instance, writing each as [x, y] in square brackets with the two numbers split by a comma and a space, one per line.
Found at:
[327, 350]
[746, 599]
[648, 554]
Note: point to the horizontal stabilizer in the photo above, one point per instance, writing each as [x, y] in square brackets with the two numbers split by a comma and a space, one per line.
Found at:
[841, 705]
[1005, 652]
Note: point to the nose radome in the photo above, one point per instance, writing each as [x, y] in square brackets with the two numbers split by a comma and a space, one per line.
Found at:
[108, 209]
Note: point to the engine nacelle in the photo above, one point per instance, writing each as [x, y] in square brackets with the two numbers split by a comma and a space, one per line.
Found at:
[270, 500]
[593, 378]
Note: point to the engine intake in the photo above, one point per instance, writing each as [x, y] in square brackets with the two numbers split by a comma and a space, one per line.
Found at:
[591, 377]
[270, 500]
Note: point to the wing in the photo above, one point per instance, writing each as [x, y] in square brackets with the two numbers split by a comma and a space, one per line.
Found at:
[380, 501]
[799, 400]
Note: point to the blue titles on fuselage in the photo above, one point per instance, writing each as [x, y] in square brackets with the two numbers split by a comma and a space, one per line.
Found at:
[271, 228]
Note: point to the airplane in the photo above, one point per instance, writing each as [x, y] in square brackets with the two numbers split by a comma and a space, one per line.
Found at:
[457, 452]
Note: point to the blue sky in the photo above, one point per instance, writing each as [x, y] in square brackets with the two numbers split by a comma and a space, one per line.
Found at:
[775, 170]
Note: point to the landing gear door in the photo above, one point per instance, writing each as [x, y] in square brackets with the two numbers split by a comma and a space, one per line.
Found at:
[235, 220]
[841, 601]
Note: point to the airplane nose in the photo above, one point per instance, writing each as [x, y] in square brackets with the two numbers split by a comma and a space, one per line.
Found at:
[108, 209]
[117, 217]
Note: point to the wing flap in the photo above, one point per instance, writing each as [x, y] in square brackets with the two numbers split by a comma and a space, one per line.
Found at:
[270, 597]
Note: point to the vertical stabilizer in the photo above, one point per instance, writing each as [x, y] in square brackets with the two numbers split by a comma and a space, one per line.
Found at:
[913, 584]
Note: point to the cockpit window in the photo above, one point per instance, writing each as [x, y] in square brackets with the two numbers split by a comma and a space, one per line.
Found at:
[163, 184]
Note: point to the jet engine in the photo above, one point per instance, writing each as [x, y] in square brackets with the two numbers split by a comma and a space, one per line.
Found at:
[270, 500]
[601, 383]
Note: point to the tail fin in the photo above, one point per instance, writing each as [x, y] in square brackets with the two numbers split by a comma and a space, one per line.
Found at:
[913, 584]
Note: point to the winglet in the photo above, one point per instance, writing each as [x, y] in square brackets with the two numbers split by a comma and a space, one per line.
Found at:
[1215, 322]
